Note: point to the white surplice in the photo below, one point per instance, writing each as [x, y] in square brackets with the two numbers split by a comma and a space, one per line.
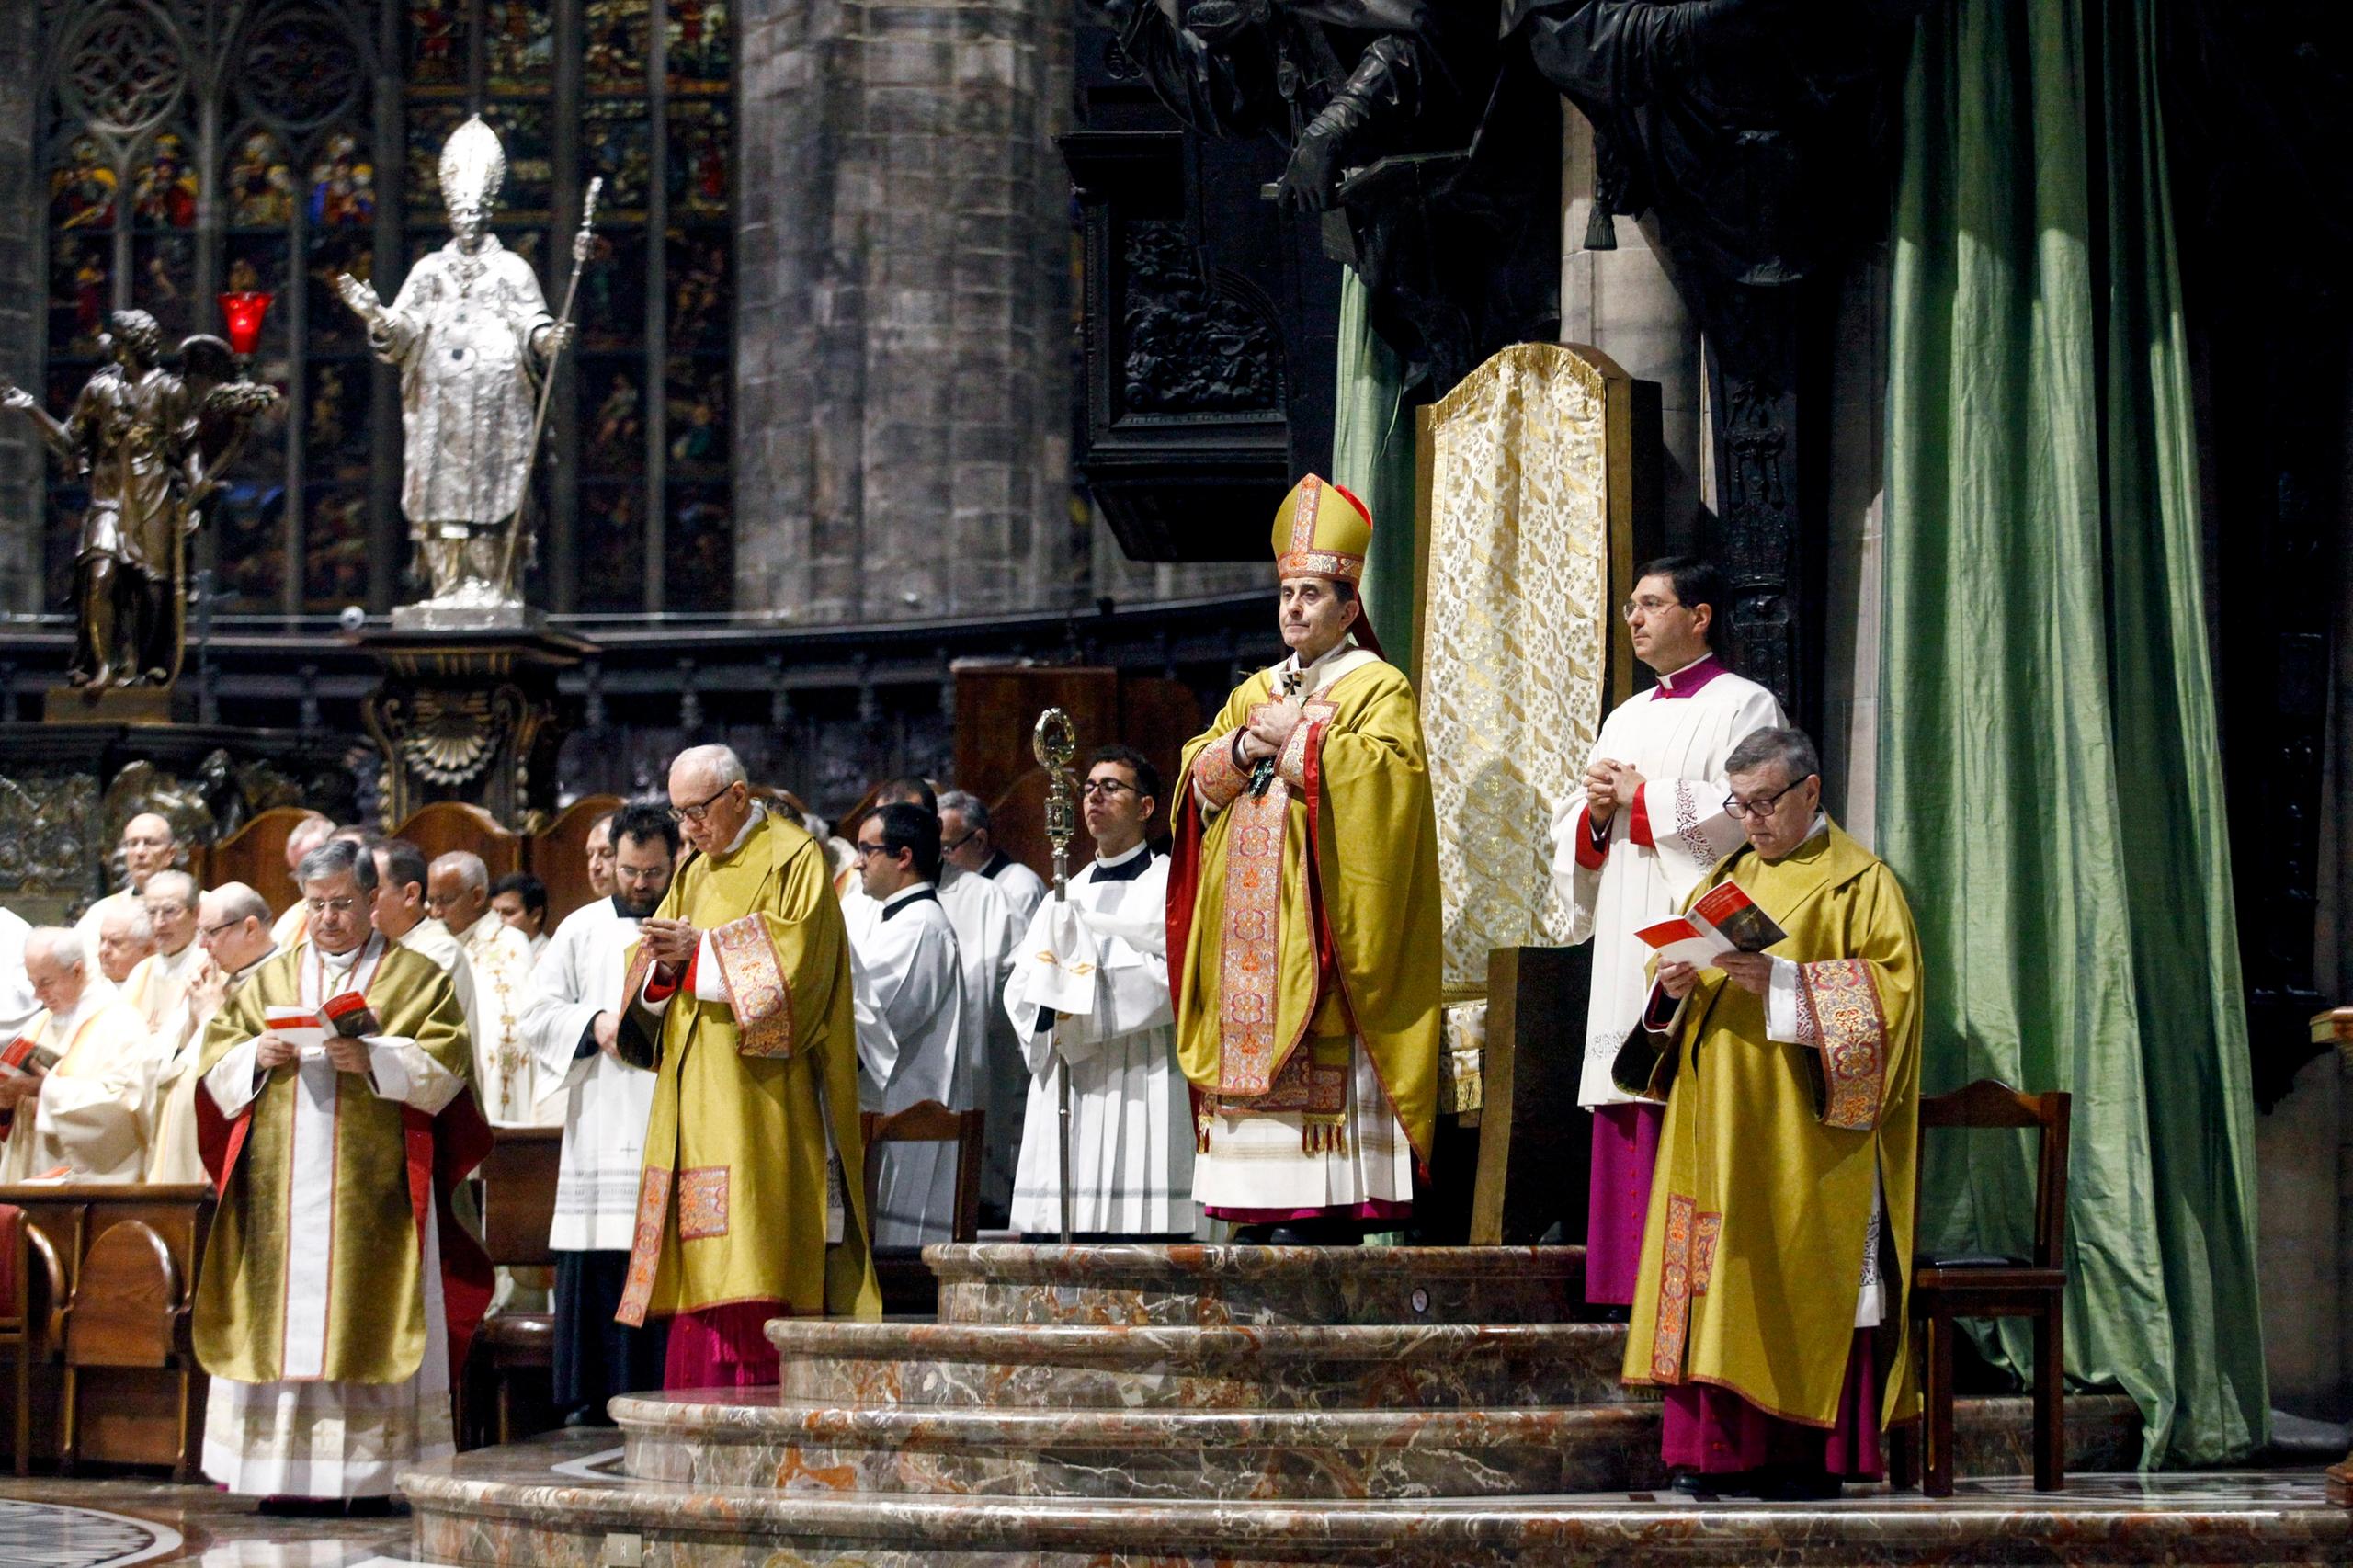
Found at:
[433, 940]
[306, 1435]
[988, 935]
[1658, 847]
[96, 1106]
[910, 966]
[157, 984]
[173, 1154]
[604, 1102]
[498, 958]
[18, 1006]
[1131, 1118]
[1023, 888]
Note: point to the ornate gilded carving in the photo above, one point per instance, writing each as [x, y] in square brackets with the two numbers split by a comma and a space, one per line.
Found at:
[49, 823]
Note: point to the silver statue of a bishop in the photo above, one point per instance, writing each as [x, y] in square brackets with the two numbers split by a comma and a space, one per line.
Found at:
[471, 335]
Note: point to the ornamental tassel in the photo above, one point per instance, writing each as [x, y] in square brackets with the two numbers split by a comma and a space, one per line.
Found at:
[1318, 1137]
[1201, 1132]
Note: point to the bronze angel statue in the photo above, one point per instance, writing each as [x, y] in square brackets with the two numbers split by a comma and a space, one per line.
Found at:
[152, 443]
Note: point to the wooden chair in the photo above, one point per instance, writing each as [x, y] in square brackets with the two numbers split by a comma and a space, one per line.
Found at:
[41, 1285]
[907, 1284]
[518, 1179]
[129, 1310]
[1947, 1288]
[447, 826]
[256, 856]
[558, 855]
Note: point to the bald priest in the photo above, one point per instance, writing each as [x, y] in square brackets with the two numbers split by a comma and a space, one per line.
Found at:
[752, 1202]
[1304, 913]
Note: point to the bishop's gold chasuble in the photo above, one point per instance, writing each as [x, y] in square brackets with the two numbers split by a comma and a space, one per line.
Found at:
[1770, 1152]
[393, 1168]
[759, 1073]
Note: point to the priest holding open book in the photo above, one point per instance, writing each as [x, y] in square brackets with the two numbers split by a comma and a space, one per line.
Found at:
[335, 1112]
[1770, 1306]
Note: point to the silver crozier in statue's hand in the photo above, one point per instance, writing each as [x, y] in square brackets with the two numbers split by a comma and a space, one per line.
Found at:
[1054, 743]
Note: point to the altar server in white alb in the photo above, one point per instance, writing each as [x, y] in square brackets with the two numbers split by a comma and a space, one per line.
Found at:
[907, 953]
[571, 1022]
[1630, 843]
[1092, 990]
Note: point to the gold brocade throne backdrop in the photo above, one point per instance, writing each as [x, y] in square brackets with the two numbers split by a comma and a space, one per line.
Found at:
[1526, 519]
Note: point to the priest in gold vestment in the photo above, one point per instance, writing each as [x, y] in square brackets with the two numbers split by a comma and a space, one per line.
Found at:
[1771, 1303]
[752, 1202]
[1304, 913]
[338, 1294]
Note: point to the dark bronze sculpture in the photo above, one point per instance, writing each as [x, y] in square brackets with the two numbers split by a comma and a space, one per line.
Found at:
[152, 443]
[1382, 103]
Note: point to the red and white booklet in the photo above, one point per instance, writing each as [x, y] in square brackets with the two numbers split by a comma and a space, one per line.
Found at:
[24, 1054]
[1724, 920]
[299, 1027]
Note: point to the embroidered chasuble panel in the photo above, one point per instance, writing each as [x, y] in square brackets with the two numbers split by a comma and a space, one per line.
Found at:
[1526, 524]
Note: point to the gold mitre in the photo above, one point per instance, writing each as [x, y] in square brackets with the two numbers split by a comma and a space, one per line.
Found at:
[1321, 530]
[473, 165]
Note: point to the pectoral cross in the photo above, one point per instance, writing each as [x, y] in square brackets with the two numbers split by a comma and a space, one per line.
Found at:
[1262, 777]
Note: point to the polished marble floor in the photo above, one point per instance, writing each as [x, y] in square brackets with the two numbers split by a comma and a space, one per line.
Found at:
[112, 1523]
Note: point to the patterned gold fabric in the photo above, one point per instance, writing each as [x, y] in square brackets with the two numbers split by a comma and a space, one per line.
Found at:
[1516, 620]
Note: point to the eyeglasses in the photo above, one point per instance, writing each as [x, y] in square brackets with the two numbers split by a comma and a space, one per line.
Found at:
[216, 930]
[865, 849]
[951, 848]
[1109, 789]
[1647, 605]
[330, 905]
[1760, 809]
[702, 808]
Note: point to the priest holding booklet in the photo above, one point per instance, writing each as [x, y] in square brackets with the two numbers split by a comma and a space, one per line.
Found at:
[1770, 1306]
[338, 1295]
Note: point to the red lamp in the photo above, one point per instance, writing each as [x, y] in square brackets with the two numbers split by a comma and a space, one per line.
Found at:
[243, 311]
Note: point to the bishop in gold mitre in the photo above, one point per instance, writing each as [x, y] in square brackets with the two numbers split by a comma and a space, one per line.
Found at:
[1771, 1306]
[1304, 913]
[752, 1203]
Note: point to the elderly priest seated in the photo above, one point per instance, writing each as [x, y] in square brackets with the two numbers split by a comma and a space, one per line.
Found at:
[77, 1105]
[1770, 1306]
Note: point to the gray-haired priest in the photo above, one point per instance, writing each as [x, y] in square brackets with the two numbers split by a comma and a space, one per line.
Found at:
[571, 1014]
[1770, 1308]
[338, 1295]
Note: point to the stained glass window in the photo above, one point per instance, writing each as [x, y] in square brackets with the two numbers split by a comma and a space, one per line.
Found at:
[279, 183]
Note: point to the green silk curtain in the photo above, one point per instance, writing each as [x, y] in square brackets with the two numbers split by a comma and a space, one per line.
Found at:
[2049, 783]
[1373, 455]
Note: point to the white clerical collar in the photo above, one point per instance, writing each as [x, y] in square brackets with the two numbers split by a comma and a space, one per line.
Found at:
[337, 963]
[1326, 669]
[758, 811]
[172, 963]
[1821, 825]
[1140, 846]
[256, 964]
[908, 895]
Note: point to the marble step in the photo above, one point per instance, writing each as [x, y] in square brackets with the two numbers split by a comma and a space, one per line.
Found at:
[1256, 1367]
[1009, 1282]
[498, 1508]
[716, 1440]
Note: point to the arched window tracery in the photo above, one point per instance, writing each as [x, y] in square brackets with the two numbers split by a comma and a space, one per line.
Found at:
[193, 147]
